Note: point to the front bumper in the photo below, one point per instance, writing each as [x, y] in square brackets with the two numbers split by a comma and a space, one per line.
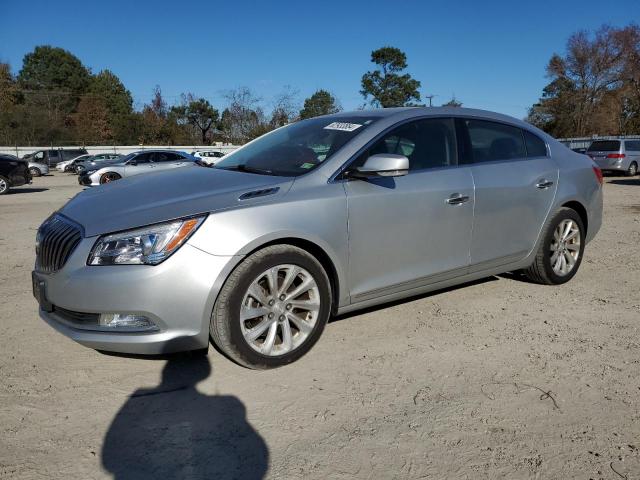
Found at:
[177, 295]
[84, 180]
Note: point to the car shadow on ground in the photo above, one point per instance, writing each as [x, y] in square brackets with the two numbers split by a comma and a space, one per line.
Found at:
[625, 181]
[413, 298]
[174, 431]
[13, 191]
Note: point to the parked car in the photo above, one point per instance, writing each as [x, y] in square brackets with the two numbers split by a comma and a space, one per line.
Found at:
[75, 167]
[210, 157]
[616, 155]
[93, 164]
[66, 165]
[137, 163]
[38, 169]
[54, 156]
[581, 150]
[13, 173]
[321, 217]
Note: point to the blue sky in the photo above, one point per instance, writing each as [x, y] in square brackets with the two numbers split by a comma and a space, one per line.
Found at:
[489, 54]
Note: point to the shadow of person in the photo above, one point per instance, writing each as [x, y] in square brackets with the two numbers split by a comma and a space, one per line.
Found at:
[174, 431]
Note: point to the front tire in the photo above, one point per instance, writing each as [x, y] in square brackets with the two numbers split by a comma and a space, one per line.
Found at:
[35, 172]
[109, 177]
[272, 308]
[632, 170]
[560, 253]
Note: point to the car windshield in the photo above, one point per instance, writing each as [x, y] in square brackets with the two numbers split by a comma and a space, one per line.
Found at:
[604, 146]
[297, 148]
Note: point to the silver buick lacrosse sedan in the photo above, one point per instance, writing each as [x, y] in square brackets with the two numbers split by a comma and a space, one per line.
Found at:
[315, 219]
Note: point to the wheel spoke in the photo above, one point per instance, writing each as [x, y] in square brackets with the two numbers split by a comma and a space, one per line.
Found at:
[572, 235]
[300, 324]
[256, 292]
[569, 260]
[305, 286]
[287, 338]
[249, 313]
[574, 247]
[309, 305]
[291, 275]
[258, 330]
[554, 257]
[272, 280]
[267, 346]
[567, 229]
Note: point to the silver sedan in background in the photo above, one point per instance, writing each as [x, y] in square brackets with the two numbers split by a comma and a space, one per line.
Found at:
[318, 218]
[136, 163]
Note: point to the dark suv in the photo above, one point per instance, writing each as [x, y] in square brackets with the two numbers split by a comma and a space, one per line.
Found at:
[54, 156]
[13, 173]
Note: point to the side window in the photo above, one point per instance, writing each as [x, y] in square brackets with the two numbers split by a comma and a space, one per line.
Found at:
[166, 157]
[632, 146]
[491, 141]
[535, 146]
[53, 154]
[39, 155]
[143, 158]
[428, 143]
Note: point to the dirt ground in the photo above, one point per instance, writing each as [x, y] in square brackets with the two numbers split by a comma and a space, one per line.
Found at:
[497, 379]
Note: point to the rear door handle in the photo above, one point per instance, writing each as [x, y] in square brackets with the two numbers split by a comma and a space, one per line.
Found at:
[542, 184]
[457, 199]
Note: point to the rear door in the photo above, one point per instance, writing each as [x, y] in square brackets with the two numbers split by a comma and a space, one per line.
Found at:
[167, 160]
[53, 157]
[406, 232]
[515, 183]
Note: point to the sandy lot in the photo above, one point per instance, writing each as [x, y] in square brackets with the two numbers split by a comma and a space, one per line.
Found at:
[497, 379]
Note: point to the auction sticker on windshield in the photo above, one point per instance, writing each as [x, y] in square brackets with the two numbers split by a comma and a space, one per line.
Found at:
[342, 126]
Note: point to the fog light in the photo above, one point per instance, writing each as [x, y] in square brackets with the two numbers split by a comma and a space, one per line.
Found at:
[125, 321]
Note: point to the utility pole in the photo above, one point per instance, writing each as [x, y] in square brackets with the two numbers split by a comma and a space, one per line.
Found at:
[429, 97]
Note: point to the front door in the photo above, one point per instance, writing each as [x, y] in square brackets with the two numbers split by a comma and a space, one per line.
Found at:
[406, 232]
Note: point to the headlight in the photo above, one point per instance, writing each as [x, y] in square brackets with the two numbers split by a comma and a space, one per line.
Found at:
[143, 246]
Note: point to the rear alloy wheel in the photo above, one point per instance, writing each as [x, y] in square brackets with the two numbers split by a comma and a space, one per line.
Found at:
[272, 308]
[35, 172]
[560, 254]
[4, 185]
[632, 170]
[109, 177]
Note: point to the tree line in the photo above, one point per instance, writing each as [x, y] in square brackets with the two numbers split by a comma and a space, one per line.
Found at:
[55, 99]
[594, 88]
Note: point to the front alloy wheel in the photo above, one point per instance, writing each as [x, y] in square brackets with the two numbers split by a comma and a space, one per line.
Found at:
[109, 177]
[279, 310]
[272, 308]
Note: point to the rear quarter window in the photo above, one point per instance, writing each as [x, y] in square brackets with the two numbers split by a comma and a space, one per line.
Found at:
[535, 145]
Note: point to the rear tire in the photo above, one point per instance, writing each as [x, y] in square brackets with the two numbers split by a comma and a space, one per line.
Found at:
[547, 266]
[632, 170]
[109, 177]
[4, 185]
[35, 172]
[292, 327]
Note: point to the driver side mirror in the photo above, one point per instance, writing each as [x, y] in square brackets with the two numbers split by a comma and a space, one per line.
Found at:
[382, 165]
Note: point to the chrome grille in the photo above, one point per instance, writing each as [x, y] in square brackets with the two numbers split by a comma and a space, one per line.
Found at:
[57, 239]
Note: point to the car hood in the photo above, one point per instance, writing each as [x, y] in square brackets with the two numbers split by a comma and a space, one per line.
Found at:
[162, 196]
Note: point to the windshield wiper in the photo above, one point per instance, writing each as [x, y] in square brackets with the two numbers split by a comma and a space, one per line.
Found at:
[248, 169]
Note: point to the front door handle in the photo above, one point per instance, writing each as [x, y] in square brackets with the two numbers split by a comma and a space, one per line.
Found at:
[457, 199]
[542, 184]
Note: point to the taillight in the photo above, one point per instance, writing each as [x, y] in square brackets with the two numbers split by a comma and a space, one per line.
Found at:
[616, 155]
[599, 176]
